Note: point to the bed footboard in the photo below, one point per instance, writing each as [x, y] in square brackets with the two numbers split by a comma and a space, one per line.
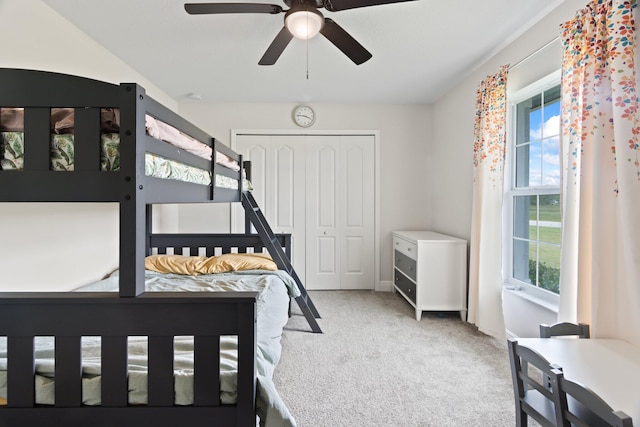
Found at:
[159, 316]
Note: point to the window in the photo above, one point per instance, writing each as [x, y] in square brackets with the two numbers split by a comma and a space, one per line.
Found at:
[533, 193]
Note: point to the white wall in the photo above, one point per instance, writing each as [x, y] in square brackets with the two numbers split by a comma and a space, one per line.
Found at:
[404, 140]
[451, 154]
[60, 246]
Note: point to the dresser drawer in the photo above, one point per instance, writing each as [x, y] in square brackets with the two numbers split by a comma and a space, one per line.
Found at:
[407, 248]
[405, 264]
[405, 285]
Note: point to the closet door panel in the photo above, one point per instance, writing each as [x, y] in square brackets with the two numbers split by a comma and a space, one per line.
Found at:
[284, 189]
[354, 249]
[288, 192]
[254, 148]
[325, 191]
[327, 255]
[357, 229]
[354, 189]
[323, 178]
[257, 154]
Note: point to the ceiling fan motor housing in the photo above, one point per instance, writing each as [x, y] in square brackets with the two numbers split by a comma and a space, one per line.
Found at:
[303, 20]
[314, 3]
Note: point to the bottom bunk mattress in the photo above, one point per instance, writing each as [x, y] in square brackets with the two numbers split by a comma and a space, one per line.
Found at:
[274, 291]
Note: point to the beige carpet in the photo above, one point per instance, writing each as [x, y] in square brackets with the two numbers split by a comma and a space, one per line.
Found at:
[374, 365]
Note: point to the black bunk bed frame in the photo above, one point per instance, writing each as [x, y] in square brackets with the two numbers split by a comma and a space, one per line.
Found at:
[131, 312]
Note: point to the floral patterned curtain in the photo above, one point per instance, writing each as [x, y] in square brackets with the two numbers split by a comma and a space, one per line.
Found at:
[485, 264]
[600, 277]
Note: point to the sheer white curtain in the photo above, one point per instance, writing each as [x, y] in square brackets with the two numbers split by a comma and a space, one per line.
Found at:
[485, 264]
[600, 275]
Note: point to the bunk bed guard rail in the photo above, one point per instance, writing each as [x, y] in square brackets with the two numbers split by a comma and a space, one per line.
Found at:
[159, 316]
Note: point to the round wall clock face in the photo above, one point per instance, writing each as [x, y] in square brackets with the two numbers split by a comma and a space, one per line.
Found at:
[304, 116]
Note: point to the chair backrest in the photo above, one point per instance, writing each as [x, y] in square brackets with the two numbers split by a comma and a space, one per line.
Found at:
[581, 407]
[581, 330]
[531, 394]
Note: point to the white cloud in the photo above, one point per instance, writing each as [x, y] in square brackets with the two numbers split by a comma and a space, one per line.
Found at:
[551, 127]
[552, 177]
[551, 159]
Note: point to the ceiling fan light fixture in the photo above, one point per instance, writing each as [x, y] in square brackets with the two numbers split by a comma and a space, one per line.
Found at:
[304, 24]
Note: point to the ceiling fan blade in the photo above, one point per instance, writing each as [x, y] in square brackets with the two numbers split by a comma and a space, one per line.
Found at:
[209, 8]
[343, 41]
[276, 47]
[338, 5]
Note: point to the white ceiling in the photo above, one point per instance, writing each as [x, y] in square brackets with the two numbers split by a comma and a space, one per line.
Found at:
[420, 48]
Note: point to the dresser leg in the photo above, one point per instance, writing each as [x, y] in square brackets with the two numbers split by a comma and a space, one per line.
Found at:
[463, 315]
[418, 314]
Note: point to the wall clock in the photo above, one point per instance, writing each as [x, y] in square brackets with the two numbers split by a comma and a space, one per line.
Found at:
[304, 116]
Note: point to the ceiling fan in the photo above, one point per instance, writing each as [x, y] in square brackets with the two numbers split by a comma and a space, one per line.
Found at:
[302, 20]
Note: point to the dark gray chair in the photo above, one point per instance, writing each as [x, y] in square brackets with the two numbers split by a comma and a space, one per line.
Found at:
[580, 330]
[532, 398]
[564, 329]
[581, 407]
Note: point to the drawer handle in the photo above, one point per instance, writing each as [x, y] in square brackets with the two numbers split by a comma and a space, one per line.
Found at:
[410, 268]
[409, 249]
[397, 278]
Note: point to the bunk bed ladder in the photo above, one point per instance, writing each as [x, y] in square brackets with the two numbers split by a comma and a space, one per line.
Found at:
[271, 242]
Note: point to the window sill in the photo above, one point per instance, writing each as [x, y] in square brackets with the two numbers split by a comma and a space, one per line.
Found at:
[522, 292]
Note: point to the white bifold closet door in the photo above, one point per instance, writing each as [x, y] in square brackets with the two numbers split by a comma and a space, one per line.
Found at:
[319, 188]
[340, 212]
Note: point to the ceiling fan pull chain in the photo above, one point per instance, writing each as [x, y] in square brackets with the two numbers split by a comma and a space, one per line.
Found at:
[307, 48]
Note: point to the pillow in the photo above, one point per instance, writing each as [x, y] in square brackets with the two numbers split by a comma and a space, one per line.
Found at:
[12, 119]
[110, 120]
[62, 120]
[238, 262]
[195, 265]
[178, 264]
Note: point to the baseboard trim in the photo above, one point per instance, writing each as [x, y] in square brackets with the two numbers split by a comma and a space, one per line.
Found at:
[384, 286]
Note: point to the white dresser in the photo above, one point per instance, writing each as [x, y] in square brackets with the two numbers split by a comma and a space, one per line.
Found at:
[430, 271]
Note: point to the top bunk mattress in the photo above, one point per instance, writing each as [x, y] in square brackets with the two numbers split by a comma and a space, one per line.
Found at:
[62, 144]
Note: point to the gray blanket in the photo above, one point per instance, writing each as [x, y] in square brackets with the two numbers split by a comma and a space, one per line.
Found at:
[274, 289]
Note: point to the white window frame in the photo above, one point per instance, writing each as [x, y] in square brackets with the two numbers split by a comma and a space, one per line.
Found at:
[527, 290]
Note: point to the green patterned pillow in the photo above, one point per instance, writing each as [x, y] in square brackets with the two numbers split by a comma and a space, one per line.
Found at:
[62, 152]
[11, 150]
[110, 152]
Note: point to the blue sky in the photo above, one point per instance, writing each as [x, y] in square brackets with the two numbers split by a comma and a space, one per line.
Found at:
[544, 149]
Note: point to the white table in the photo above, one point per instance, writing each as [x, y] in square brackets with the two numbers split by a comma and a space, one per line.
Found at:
[611, 368]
